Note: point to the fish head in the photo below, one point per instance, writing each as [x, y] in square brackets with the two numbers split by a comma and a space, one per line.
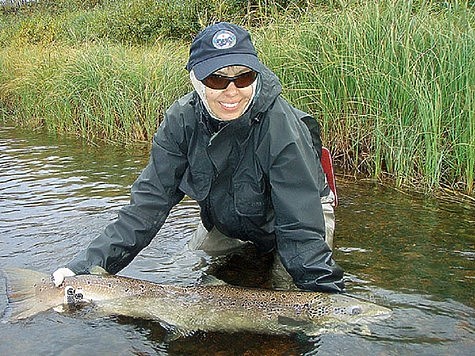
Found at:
[346, 309]
[356, 311]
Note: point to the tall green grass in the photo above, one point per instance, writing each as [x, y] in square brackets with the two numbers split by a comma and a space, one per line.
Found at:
[391, 82]
[99, 91]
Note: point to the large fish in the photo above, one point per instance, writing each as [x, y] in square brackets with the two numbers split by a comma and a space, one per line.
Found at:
[204, 307]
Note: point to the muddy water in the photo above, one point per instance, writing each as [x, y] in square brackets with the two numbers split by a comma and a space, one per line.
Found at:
[412, 254]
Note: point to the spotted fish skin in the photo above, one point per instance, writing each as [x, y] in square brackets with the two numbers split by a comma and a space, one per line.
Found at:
[223, 308]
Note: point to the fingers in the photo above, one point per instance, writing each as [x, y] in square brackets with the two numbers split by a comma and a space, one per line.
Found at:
[60, 274]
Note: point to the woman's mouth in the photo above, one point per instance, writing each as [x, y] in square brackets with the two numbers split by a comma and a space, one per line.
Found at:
[230, 106]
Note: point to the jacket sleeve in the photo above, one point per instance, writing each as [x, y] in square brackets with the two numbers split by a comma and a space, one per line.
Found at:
[153, 195]
[296, 179]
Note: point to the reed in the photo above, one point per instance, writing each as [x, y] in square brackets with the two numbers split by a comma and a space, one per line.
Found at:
[99, 91]
[391, 82]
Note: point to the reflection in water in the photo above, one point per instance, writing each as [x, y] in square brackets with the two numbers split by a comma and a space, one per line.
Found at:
[51, 189]
[416, 244]
[412, 254]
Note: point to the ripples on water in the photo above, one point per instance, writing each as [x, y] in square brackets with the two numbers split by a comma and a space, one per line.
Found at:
[411, 254]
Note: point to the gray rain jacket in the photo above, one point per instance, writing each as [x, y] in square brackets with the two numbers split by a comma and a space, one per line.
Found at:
[258, 179]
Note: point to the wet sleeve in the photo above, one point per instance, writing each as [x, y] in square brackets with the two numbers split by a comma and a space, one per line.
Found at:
[153, 195]
[299, 223]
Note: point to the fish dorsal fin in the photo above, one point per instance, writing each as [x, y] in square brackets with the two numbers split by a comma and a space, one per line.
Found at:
[98, 270]
[210, 280]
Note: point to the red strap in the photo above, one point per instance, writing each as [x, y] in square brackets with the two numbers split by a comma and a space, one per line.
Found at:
[327, 165]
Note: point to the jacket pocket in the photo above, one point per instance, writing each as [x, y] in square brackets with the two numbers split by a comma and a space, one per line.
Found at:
[196, 185]
[251, 199]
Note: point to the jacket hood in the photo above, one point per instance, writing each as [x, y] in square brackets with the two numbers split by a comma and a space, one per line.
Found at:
[267, 91]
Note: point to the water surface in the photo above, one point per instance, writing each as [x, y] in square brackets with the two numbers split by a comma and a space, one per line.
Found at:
[412, 254]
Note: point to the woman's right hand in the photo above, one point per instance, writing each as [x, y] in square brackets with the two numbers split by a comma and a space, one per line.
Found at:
[60, 274]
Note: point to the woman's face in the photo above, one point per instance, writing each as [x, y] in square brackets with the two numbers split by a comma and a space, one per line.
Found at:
[229, 103]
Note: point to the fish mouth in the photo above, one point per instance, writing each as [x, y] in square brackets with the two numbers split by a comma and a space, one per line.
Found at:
[372, 319]
[382, 314]
[356, 310]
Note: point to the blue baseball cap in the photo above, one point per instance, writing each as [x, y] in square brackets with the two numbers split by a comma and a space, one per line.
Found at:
[221, 45]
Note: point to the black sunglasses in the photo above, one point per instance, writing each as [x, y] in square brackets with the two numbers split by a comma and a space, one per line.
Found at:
[220, 82]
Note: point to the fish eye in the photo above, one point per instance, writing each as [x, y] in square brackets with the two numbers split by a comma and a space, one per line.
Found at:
[69, 291]
[355, 310]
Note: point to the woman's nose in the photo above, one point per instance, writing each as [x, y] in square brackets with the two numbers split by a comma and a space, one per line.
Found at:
[231, 89]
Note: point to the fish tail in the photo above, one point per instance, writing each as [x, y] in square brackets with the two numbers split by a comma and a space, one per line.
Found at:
[25, 292]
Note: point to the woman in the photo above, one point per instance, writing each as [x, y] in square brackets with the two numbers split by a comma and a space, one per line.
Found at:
[245, 155]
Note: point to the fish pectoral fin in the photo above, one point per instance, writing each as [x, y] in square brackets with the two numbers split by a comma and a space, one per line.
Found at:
[59, 309]
[285, 320]
[209, 280]
[177, 334]
[174, 333]
[303, 327]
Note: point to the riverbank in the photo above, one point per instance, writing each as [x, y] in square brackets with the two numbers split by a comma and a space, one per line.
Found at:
[392, 84]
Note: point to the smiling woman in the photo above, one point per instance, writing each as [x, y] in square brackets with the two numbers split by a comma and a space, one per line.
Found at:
[234, 145]
[230, 102]
[227, 93]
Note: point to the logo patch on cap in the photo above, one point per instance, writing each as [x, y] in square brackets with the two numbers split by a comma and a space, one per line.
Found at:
[224, 39]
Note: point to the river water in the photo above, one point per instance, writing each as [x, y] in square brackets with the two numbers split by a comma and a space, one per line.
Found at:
[412, 254]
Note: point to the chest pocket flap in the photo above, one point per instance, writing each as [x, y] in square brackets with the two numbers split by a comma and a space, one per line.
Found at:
[251, 198]
[196, 185]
